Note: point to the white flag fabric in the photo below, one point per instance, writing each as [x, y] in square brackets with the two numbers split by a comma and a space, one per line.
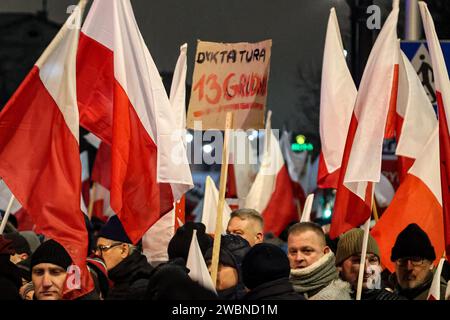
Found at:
[210, 203]
[435, 289]
[198, 271]
[337, 99]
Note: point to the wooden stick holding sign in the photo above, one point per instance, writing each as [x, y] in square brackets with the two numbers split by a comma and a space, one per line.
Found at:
[223, 183]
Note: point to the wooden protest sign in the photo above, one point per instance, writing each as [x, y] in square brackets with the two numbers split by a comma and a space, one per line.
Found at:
[230, 77]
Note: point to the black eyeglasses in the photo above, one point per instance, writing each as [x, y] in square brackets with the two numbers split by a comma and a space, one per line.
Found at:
[415, 261]
[102, 248]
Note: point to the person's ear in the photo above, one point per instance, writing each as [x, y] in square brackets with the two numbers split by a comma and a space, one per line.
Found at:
[259, 237]
[326, 249]
[23, 256]
[125, 250]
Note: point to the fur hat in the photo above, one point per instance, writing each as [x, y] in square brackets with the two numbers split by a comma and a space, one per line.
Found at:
[179, 244]
[413, 242]
[350, 243]
[113, 230]
[51, 252]
[264, 262]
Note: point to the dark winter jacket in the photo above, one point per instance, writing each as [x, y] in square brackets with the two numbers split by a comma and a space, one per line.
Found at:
[280, 289]
[170, 281]
[130, 278]
[379, 294]
[10, 280]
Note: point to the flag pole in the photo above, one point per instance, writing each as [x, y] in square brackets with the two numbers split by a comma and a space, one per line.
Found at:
[7, 213]
[374, 209]
[221, 203]
[363, 259]
[306, 215]
[91, 200]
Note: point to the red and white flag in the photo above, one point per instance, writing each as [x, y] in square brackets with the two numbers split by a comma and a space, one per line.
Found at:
[157, 238]
[337, 99]
[149, 163]
[361, 162]
[417, 200]
[416, 119]
[442, 86]
[46, 179]
[272, 192]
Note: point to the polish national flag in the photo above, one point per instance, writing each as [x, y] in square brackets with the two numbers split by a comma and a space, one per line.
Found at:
[46, 178]
[156, 240]
[417, 200]
[442, 86]
[361, 162]
[272, 192]
[416, 119]
[123, 101]
[337, 99]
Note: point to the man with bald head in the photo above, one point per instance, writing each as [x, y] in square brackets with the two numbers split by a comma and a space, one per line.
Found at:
[313, 270]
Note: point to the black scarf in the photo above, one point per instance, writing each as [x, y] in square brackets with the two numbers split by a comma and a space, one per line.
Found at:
[132, 268]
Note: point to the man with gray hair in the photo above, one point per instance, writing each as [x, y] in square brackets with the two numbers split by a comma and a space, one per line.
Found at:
[127, 267]
[248, 224]
[313, 270]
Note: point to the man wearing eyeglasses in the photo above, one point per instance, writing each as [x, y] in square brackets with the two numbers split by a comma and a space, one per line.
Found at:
[413, 255]
[127, 267]
[348, 260]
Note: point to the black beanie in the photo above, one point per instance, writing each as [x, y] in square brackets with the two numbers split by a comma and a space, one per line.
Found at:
[51, 252]
[413, 242]
[233, 248]
[19, 243]
[113, 230]
[264, 262]
[180, 243]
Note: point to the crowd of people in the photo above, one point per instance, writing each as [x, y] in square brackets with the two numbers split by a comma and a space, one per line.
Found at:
[308, 266]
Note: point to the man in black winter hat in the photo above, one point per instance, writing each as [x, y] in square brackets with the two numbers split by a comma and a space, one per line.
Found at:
[180, 243]
[229, 283]
[127, 267]
[48, 266]
[265, 272]
[413, 255]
